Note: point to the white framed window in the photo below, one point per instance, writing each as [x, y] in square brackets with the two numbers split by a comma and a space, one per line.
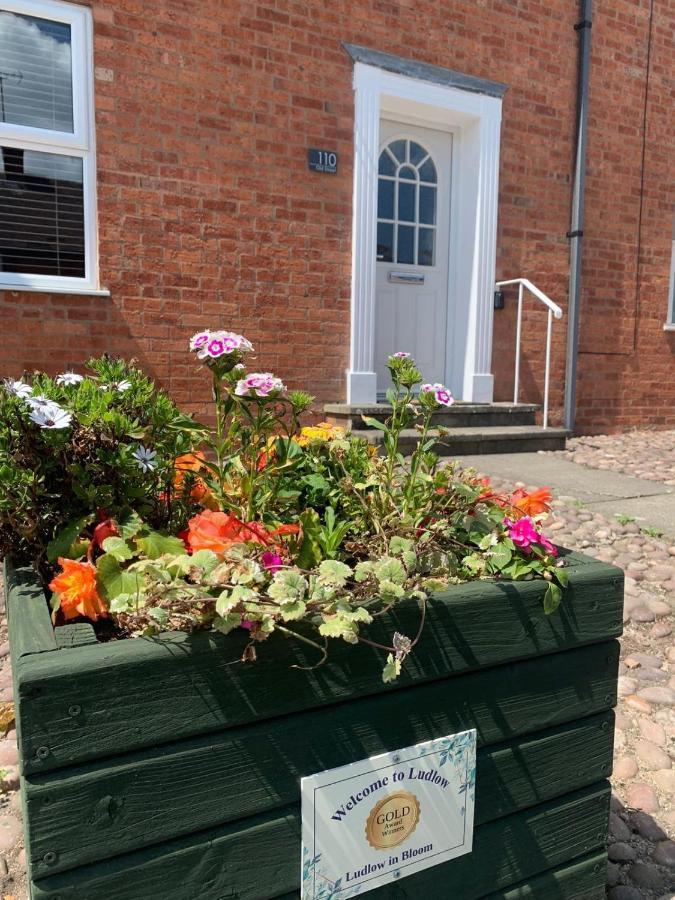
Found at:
[406, 204]
[48, 237]
[670, 321]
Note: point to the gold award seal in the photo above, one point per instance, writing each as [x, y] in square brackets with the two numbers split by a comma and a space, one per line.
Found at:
[392, 820]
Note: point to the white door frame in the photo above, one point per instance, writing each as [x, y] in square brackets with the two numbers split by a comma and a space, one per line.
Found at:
[475, 119]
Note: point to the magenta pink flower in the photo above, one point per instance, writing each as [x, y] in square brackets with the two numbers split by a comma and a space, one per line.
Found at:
[258, 384]
[198, 340]
[441, 394]
[231, 343]
[548, 546]
[401, 354]
[522, 532]
[271, 561]
[213, 344]
[215, 348]
[246, 623]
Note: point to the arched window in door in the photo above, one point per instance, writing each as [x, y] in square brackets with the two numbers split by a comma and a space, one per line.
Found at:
[406, 204]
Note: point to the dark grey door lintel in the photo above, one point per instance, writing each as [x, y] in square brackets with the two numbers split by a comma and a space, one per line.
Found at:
[425, 71]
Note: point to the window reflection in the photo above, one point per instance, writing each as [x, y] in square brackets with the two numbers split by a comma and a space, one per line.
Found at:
[35, 72]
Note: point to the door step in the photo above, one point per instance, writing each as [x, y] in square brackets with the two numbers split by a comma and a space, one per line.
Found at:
[470, 441]
[459, 415]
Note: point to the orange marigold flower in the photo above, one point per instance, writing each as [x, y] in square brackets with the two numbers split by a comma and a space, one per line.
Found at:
[77, 590]
[532, 504]
[212, 530]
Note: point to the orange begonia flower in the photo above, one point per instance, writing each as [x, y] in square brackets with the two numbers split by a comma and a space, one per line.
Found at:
[287, 529]
[188, 462]
[104, 530]
[538, 501]
[77, 590]
[194, 463]
[212, 530]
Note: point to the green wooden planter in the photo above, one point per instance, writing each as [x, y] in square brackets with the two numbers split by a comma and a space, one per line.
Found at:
[165, 768]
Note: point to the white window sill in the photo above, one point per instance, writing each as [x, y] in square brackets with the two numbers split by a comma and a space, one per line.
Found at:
[57, 289]
[669, 326]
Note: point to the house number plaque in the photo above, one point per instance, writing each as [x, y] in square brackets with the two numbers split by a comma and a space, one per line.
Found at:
[323, 161]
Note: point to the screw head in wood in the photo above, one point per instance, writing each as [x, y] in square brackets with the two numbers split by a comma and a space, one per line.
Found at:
[49, 858]
[74, 710]
[42, 752]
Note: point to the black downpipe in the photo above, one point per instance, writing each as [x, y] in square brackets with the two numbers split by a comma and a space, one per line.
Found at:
[576, 231]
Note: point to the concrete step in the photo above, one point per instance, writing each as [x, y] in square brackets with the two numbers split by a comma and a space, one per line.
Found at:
[495, 439]
[459, 415]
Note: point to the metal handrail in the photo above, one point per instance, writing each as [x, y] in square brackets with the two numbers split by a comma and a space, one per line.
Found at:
[554, 311]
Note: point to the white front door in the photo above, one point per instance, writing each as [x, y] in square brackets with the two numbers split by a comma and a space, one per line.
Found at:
[413, 222]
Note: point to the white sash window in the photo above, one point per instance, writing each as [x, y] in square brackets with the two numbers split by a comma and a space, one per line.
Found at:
[47, 164]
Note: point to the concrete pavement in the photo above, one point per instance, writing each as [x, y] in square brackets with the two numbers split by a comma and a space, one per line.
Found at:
[650, 503]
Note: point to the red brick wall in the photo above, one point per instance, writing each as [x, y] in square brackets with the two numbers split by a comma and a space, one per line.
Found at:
[208, 215]
[627, 361]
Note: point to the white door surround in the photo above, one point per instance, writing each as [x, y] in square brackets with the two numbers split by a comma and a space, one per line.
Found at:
[474, 119]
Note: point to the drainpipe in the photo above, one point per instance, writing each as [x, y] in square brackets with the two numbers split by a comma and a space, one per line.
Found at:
[576, 233]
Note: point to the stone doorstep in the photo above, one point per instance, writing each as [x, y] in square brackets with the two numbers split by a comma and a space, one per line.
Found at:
[495, 439]
[460, 414]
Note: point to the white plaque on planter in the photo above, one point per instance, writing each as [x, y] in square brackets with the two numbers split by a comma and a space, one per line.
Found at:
[383, 818]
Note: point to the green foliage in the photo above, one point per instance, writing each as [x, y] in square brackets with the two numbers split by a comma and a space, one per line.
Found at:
[54, 481]
[552, 598]
[624, 520]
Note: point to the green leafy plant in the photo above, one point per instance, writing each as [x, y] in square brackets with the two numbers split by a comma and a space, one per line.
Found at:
[78, 449]
[307, 532]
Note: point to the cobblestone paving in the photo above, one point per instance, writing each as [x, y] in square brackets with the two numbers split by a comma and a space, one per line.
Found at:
[642, 824]
[644, 454]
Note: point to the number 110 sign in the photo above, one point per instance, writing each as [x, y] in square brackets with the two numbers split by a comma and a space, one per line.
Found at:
[323, 161]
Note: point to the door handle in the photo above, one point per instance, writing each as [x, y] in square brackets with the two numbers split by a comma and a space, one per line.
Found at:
[405, 278]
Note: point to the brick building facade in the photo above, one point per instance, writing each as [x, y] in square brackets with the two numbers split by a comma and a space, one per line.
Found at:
[208, 215]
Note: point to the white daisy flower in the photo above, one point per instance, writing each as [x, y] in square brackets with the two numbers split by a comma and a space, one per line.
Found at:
[18, 388]
[145, 458]
[69, 378]
[40, 402]
[50, 415]
[119, 386]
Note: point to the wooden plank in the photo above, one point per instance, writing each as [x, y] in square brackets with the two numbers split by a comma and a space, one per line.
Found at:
[75, 635]
[260, 858]
[579, 880]
[582, 879]
[115, 806]
[30, 629]
[144, 692]
[30, 626]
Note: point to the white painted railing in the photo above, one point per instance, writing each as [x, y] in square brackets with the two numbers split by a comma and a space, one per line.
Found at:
[554, 312]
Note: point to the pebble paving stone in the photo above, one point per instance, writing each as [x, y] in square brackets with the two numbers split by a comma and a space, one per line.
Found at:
[642, 826]
[644, 454]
